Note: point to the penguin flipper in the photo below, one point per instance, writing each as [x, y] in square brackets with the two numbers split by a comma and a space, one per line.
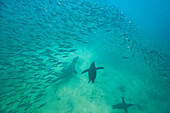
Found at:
[85, 71]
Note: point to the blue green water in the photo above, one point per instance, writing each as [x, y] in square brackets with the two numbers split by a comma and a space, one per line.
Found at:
[45, 45]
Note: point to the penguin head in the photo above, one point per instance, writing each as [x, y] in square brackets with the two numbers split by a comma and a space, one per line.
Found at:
[93, 63]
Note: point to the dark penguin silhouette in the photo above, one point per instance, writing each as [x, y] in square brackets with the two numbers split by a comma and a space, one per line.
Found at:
[122, 105]
[92, 72]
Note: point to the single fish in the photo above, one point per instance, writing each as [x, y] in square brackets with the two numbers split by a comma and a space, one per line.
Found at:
[42, 105]
[125, 57]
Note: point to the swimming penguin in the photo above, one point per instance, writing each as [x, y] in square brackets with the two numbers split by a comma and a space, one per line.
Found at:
[92, 72]
[122, 105]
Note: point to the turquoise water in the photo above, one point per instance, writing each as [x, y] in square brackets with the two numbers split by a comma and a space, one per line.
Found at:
[45, 45]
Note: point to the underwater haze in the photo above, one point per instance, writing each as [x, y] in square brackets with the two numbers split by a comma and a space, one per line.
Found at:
[84, 56]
